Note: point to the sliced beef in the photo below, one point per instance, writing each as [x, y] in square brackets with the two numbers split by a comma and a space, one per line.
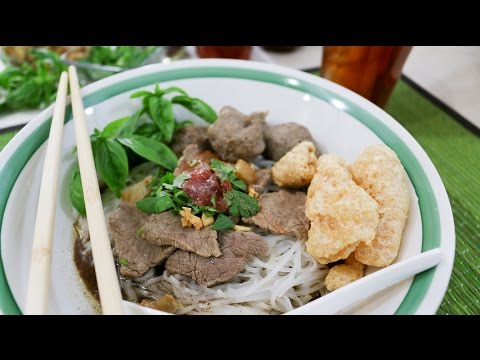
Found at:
[237, 136]
[192, 155]
[280, 139]
[237, 249]
[166, 229]
[264, 178]
[283, 213]
[138, 254]
[191, 134]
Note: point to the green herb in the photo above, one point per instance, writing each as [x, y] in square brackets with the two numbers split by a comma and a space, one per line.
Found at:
[173, 89]
[114, 127]
[180, 125]
[76, 193]
[111, 163]
[223, 223]
[123, 261]
[147, 130]
[148, 137]
[156, 205]
[196, 106]
[32, 84]
[140, 93]
[151, 150]
[180, 179]
[167, 194]
[131, 123]
[226, 172]
[241, 204]
[121, 56]
[222, 169]
[162, 115]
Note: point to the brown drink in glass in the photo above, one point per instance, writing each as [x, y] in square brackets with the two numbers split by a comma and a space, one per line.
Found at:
[228, 52]
[371, 71]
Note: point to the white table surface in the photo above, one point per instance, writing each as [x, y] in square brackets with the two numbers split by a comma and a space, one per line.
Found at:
[451, 73]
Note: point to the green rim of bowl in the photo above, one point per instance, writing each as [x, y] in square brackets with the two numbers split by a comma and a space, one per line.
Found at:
[426, 197]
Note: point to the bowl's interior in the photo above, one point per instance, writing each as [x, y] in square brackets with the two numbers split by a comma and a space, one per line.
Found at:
[334, 130]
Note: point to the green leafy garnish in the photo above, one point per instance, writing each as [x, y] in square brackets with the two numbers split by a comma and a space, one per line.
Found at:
[32, 84]
[196, 106]
[115, 127]
[226, 172]
[156, 205]
[161, 112]
[123, 261]
[241, 204]
[144, 138]
[111, 163]
[151, 150]
[121, 56]
[180, 179]
[223, 223]
[76, 193]
[132, 122]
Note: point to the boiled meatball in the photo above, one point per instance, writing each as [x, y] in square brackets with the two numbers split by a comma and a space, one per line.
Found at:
[237, 136]
[189, 135]
[280, 139]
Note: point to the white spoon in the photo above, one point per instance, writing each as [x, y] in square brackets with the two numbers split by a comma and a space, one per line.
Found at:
[353, 293]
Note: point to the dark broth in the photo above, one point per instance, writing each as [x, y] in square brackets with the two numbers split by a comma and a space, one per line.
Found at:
[86, 270]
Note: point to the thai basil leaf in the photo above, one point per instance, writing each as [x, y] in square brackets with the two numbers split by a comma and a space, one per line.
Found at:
[173, 89]
[161, 112]
[140, 93]
[180, 125]
[76, 193]
[151, 150]
[147, 130]
[115, 127]
[196, 106]
[112, 164]
[131, 123]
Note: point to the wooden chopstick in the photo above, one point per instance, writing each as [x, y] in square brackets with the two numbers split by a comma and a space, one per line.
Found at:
[107, 280]
[40, 264]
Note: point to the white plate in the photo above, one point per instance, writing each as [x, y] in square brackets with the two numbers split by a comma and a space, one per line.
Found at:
[341, 121]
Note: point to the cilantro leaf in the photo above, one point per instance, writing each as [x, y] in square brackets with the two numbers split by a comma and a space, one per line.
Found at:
[241, 204]
[223, 222]
[156, 205]
[226, 172]
[221, 169]
[180, 179]
[239, 184]
[123, 261]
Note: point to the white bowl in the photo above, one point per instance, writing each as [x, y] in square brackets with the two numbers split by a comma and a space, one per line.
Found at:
[341, 121]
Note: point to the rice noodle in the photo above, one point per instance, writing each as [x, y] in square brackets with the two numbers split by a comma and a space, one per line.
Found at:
[286, 279]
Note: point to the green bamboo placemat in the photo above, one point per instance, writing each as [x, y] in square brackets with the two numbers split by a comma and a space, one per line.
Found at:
[455, 151]
[5, 138]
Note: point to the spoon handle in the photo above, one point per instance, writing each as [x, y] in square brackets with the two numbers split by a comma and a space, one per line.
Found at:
[369, 285]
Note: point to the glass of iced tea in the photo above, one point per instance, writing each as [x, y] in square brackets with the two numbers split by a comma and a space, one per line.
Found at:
[371, 71]
[228, 52]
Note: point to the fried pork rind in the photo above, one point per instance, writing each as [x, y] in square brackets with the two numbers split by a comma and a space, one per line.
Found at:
[342, 214]
[297, 167]
[344, 274]
[138, 191]
[379, 171]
